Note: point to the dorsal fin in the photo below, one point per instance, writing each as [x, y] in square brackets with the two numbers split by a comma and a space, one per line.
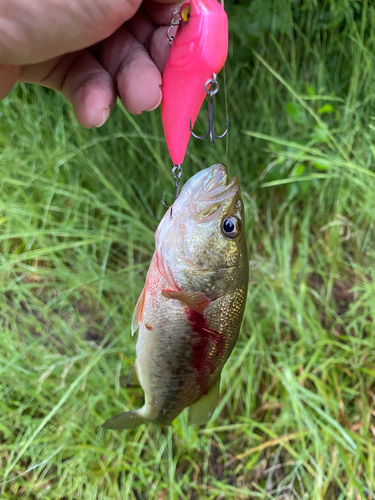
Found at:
[138, 312]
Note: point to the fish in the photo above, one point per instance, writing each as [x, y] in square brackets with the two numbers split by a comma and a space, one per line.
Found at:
[191, 308]
[199, 50]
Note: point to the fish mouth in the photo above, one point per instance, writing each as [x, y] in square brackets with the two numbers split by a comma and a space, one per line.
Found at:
[215, 185]
[217, 182]
[212, 190]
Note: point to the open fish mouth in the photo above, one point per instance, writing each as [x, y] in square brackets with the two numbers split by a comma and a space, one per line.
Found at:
[216, 185]
[208, 190]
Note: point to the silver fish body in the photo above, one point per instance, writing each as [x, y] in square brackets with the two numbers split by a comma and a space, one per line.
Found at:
[190, 310]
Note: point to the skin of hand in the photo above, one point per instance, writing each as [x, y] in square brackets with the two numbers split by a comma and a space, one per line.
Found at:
[90, 50]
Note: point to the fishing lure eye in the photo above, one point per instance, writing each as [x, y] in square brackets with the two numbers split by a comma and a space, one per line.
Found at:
[230, 226]
[185, 13]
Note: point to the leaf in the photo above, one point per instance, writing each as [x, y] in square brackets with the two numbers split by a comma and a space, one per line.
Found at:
[321, 133]
[310, 91]
[321, 166]
[327, 108]
[295, 111]
[299, 170]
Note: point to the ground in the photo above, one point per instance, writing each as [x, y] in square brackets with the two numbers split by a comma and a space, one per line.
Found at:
[78, 209]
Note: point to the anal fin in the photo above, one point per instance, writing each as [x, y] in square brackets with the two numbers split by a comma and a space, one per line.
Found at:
[133, 379]
[202, 410]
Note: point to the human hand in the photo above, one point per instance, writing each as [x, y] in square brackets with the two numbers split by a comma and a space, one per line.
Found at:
[83, 49]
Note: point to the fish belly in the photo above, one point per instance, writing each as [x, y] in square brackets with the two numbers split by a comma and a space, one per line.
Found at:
[164, 363]
[180, 352]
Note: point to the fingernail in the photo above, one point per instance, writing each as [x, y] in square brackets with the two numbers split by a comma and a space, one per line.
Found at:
[151, 109]
[159, 101]
[106, 112]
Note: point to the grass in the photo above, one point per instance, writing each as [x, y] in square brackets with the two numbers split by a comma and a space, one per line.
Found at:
[78, 209]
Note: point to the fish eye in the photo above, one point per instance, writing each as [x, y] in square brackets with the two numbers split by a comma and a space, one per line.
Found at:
[185, 13]
[230, 226]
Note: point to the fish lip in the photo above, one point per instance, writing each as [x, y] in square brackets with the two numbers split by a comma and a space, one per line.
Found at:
[221, 175]
[215, 191]
[221, 187]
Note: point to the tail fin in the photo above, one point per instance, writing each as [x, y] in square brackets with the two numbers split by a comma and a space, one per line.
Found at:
[126, 420]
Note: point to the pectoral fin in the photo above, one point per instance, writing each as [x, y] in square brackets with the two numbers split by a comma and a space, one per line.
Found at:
[202, 410]
[197, 301]
[138, 312]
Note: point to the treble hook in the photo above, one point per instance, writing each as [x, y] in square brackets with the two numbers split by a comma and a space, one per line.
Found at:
[214, 88]
[176, 172]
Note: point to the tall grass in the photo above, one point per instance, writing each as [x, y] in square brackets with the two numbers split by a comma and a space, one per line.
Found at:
[78, 209]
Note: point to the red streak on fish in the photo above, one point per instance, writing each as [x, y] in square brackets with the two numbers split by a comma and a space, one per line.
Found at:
[200, 347]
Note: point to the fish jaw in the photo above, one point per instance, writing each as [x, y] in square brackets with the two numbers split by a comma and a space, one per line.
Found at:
[209, 186]
[199, 49]
[207, 191]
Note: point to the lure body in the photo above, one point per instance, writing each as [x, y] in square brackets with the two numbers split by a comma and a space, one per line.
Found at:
[190, 311]
[199, 50]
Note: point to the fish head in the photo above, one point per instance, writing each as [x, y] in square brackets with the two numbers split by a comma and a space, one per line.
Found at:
[202, 247]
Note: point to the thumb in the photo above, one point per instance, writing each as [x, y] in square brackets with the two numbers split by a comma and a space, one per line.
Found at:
[32, 32]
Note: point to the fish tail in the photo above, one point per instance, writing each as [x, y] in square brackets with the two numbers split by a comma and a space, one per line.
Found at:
[126, 420]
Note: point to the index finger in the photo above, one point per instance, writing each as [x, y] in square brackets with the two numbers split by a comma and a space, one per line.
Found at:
[161, 11]
[32, 32]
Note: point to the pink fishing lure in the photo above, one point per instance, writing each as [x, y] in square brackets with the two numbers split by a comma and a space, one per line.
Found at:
[199, 49]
